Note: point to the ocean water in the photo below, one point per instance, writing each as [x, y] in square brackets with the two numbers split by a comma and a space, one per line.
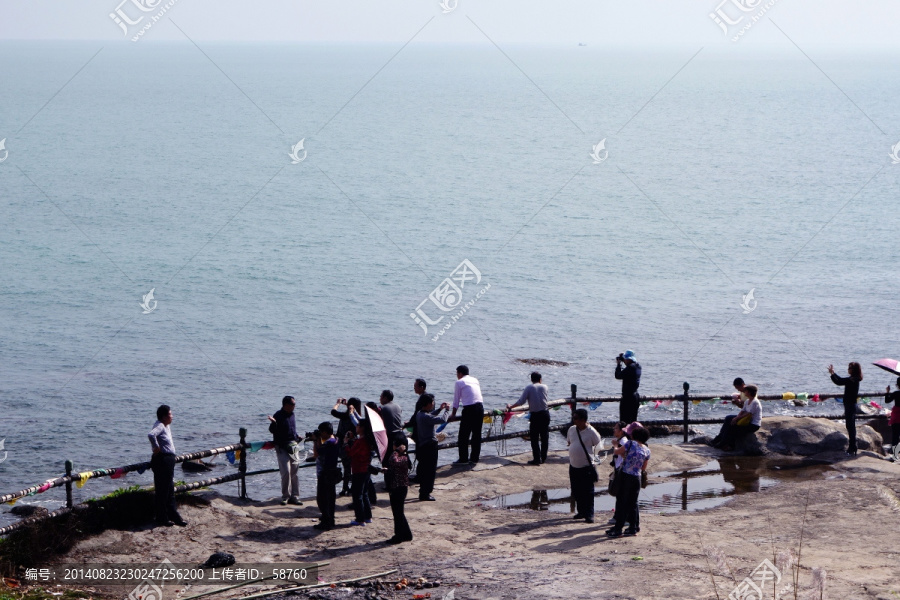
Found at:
[159, 167]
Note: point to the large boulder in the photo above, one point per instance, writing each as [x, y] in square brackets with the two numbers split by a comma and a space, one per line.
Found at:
[804, 436]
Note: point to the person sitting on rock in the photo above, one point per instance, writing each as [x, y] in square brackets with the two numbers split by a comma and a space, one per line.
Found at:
[744, 423]
[738, 400]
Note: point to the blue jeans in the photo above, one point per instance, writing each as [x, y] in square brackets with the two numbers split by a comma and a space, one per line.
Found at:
[362, 508]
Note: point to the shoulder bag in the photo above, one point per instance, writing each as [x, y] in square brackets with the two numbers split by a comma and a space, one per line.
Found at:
[595, 476]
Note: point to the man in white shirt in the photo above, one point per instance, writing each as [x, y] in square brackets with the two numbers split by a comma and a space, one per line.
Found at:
[467, 392]
[163, 465]
[582, 438]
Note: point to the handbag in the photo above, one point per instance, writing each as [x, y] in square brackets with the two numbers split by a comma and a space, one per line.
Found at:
[745, 420]
[615, 482]
[595, 476]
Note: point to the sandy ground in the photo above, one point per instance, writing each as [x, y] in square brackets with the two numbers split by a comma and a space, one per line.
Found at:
[851, 529]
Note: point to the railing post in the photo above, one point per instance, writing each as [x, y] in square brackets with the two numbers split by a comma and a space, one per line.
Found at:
[574, 396]
[69, 467]
[685, 386]
[242, 466]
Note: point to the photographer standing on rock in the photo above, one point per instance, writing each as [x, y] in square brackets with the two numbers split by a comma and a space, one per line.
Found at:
[629, 371]
[851, 394]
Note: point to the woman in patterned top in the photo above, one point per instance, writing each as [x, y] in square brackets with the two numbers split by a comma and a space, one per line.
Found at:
[635, 456]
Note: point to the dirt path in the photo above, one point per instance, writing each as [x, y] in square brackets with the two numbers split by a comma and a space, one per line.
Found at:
[851, 529]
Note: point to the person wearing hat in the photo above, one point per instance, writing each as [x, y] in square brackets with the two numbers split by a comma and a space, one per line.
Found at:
[629, 371]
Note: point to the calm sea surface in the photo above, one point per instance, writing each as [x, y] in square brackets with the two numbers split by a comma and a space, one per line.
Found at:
[150, 170]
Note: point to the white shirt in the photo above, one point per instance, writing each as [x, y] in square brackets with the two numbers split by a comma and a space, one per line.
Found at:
[620, 459]
[467, 391]
[577, 456]
[754, 407]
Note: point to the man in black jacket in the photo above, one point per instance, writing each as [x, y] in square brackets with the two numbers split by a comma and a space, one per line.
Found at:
[283, 428]
[630, 374]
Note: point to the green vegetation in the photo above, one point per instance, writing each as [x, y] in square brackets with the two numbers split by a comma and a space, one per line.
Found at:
[116, 494]
[39, 593]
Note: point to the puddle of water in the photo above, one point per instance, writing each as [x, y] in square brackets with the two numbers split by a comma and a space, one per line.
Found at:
[706, 487]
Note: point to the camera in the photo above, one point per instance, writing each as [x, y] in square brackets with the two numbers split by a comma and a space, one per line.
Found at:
[310, 436]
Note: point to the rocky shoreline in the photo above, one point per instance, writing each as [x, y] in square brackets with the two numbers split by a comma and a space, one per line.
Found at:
[482, 552]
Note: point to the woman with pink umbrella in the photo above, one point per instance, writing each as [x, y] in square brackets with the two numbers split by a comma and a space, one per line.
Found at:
[892, 366]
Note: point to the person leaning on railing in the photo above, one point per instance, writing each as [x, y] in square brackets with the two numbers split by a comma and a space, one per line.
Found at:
[535, 395]
[163, 465]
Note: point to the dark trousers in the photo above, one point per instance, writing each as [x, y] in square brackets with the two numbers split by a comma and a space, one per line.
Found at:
[628, 408]
[326, 498]
[163, 466]
[401, 525]
[470, 427]
[345, 463]
[627, 502]
[895, 435]
[731, 433]
[359, 489]
[582, 483]
[427, 457]
[539, 432]
[850, 421]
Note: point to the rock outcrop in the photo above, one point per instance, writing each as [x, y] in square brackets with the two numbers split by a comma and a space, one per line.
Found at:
[803, 436]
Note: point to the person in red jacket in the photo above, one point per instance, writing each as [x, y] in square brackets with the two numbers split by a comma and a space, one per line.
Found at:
[360, 453]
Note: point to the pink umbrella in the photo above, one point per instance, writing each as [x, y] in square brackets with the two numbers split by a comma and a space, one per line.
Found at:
[376, 426]
[888, 364]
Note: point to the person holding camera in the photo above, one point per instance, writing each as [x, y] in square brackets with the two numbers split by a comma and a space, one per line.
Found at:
[851, 395]
[629, 371]
[283, 428]
[423, 422]
[360, 452]
[347, 421]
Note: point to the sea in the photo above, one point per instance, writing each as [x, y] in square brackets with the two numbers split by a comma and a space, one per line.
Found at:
[214, 226]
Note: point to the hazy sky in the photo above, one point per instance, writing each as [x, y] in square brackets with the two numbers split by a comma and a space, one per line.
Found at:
[595, 22]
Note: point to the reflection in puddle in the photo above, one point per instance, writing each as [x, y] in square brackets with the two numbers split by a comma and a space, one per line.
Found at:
[706, 487]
